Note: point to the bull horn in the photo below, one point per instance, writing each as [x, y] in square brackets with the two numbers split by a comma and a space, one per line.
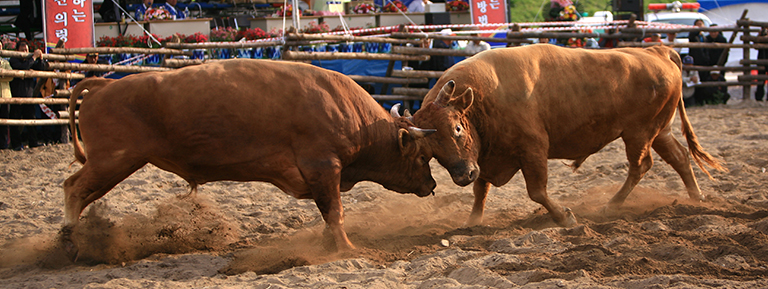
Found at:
[394, 111]
[407, 113]
[445, 94]
[418, 133]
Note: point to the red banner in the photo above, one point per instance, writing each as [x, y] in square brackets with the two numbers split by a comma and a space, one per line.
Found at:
[68, 20]
[488, 11]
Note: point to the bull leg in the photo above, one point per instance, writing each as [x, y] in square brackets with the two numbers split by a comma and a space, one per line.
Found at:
[640, 161]
[324, 183]
[88, 184]
[672, 152]
[535, 174]
[480, 189]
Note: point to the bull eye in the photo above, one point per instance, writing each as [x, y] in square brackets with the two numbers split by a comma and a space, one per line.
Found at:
[458, 130]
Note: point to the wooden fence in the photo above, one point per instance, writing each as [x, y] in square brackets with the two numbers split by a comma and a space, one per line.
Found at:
[404, 48]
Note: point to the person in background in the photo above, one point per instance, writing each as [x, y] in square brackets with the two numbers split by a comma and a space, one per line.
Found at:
[24, 87]
[437, 62]
[690, 78]
[717, 94]
[5, 92]
[477, 46]
[418, 6]
[141, 11]
[715, 53]
[700, 55]
[606, 42]
[170, 5]
[761, 54]
[656, 37]
[544, 40]
[672, 39]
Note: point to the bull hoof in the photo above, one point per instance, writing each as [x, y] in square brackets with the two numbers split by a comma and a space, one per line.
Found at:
[70, 248]
[473, 221]
[570, 219]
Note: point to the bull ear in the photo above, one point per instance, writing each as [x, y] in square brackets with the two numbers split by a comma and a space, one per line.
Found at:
[403, 139]
[445, 94]
[464, 101]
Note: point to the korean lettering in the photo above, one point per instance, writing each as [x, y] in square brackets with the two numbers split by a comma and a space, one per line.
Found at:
[495, 4]
[62, 34]
[482, 6]
[60, 18]
[78, 16]
[81, 3]
[61, 2]
[483, 19]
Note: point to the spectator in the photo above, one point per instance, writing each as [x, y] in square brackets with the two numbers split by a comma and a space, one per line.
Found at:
[700, 55]
[672, 39]
[438, 62]
[5, 92]
[24, 87]
[761, 54]
[690, 78]
[717, 94]
[92, 58]
[141, 11]
[417, 6]
[606, 42]
[656, 37]
[715, 53]
[170, 5]
[544, 40]
[477, 46]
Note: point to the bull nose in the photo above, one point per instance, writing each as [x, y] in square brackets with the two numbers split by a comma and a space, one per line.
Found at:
[465, 175]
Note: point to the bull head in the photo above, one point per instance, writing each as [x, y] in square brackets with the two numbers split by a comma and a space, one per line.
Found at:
[415, 132]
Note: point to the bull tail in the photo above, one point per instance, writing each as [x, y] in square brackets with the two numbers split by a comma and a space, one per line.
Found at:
[698, 153]
[79, 152]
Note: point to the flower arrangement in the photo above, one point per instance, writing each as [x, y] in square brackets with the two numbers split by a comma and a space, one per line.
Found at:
[313, 27]
[223, 34]
[7, 43]
[569, 14]
[286, 11]
[251, 34]
[394, 6]
[158, 14]
[364, 8]
[457, 5]
[194, 38]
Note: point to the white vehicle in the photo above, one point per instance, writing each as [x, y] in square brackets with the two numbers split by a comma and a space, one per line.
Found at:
[672, 13]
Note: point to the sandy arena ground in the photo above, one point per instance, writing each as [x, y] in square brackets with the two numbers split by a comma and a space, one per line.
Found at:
[146, 233]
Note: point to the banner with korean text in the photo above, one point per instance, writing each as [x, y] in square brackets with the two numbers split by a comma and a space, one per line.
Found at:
[488, 12]
[70, 21]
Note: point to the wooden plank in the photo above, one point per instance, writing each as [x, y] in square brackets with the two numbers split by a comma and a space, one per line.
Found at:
[693, 45]
[105, 67]
[410, 91]
[338, 38]
[116, 50]
[18, 122]
[205, 45]
[54, 57]
[720, 68]
[752, 77]
[386, 97]
[36, 100]
[417, 73]
[296, 55]
[391, 80]
[35, 73]
[430, 51]
[723, 83]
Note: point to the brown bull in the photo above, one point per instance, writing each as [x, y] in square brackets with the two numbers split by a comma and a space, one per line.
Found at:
[515, 108]
[309, 131]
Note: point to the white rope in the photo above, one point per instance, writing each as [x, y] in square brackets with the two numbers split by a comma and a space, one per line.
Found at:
[137, 24]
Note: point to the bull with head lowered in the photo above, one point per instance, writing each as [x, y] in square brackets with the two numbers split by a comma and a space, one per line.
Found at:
[509, 110]
[311, 132]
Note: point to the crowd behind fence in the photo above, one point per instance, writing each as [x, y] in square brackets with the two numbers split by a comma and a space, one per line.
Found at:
[402, 44]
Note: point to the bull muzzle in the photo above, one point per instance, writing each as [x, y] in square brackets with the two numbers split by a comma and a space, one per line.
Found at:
[465, 173]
